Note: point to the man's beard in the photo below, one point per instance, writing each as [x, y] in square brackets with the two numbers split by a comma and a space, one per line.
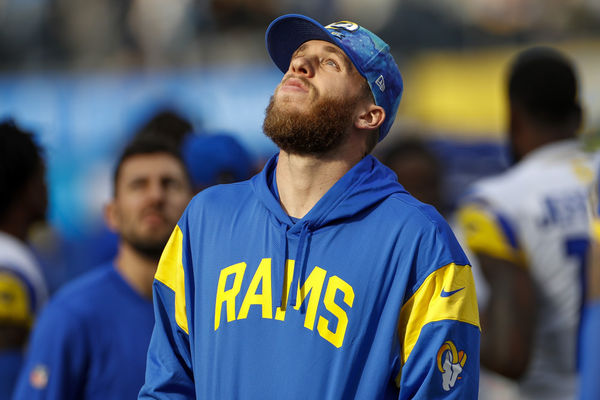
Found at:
[313, 132]
[150, 248]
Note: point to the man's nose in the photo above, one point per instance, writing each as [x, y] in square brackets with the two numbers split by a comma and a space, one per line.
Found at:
[302, 66]
[156, 192]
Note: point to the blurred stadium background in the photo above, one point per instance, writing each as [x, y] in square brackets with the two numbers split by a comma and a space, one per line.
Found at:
[85, 74]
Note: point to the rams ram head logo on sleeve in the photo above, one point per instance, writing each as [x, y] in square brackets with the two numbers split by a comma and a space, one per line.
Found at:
[450, 363]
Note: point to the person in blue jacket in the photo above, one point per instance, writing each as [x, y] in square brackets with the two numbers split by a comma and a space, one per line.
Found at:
[320, 277]
[91, 340]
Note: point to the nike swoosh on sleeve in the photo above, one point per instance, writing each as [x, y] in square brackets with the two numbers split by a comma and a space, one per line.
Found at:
[450, 293]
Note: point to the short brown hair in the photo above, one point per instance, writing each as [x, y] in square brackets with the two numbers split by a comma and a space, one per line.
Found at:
[151, 144]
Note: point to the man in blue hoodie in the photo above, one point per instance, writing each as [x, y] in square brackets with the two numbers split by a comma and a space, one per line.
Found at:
[321, 277]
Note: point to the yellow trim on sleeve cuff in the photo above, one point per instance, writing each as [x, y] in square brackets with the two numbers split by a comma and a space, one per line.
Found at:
[170, 272]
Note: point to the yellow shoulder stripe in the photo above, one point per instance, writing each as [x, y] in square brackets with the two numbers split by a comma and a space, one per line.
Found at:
[14, 300]
[484, 235]
[170, 272]
[447, 294]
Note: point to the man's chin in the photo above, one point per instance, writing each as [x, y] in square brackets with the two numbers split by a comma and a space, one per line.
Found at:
[290, 107]
[150, 245]
[152, 251]
[154, 230]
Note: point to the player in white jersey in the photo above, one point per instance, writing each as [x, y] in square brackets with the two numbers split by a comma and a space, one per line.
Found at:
[23, 201]
[529, 230]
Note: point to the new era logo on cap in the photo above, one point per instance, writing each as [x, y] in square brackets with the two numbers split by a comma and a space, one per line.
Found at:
[370, 55]
[381, 83]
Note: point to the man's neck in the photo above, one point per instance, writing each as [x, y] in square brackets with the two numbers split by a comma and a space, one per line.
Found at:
[303, 180]
[540, 138]
[136, 269]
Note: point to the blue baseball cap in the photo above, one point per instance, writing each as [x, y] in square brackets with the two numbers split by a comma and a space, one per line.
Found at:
[370, 55]
[209, 156]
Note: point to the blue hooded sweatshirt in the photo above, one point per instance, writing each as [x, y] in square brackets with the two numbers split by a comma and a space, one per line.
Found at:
[383, 304]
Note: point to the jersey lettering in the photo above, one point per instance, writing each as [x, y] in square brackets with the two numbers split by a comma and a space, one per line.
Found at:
[336, 337]
[228, 296]
[314, 286]
[564, 210]
[259, 294]
[264, 299]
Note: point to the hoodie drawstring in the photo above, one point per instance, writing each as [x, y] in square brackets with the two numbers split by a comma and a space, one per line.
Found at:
[279, 273]
[300, 266]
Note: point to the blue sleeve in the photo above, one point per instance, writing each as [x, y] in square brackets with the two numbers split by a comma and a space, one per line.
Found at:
[55, 364]
[168, 366]
[444, 364]
[590, 352]
[440, 336]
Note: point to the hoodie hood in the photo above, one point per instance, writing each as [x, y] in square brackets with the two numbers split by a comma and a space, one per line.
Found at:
[365, 185]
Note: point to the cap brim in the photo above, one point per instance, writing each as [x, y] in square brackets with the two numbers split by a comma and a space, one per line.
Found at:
[288, 32]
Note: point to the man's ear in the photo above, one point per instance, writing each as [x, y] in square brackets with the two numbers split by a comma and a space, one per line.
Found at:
[111, 216]
[371, 117]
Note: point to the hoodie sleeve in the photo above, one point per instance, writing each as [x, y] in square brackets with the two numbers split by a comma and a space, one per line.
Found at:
[438, 327]
[169, 372]
[439, 331]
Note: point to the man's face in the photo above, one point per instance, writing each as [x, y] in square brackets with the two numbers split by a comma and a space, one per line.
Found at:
[315, 104]
[151, 193]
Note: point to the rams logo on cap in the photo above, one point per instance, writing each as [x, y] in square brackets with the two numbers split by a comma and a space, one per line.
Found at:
[347, 25]
[450, 363]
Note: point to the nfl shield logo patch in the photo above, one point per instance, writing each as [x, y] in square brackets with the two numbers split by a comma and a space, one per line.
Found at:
[39, 377]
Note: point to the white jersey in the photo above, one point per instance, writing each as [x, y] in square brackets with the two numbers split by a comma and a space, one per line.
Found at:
[22, 285]
[535, 215]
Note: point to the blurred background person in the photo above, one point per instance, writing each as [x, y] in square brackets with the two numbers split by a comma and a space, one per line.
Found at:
[418, 169]
[167, 124]
[529, 230]
[216, 158]
[91, 340]
[23, 202]
[99, 244]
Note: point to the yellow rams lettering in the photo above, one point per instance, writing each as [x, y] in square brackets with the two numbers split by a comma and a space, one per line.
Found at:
[260, 294]
[314, 286]
[336, 338]
[228, 296]
[263, 274]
